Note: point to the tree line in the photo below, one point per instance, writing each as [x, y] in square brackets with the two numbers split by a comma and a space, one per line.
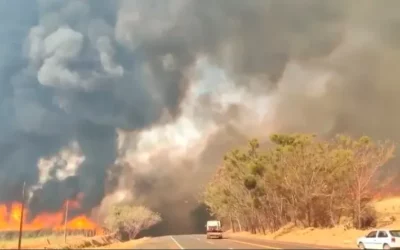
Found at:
[300, 179]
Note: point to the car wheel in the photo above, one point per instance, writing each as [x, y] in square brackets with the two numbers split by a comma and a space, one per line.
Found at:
[361, 245]
[386, 246]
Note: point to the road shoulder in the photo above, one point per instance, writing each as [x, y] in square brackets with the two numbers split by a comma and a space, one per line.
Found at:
[281, 244]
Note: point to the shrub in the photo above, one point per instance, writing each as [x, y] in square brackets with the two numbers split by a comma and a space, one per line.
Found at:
[126, 221]
[369, 217]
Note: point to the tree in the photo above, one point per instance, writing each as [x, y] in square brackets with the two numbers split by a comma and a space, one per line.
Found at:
[130, 220]
[364, 158]
[222, 195]
[304, 167]
[300, 178]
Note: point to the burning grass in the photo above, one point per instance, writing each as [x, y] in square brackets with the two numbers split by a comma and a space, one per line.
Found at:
[10, 215]
[46, 230]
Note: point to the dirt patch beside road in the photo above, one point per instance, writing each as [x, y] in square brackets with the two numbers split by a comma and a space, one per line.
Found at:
[388, 217]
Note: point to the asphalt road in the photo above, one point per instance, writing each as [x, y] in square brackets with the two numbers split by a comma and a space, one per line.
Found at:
[199, 241]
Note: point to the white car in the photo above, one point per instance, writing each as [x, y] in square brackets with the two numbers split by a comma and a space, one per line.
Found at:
[380, 239]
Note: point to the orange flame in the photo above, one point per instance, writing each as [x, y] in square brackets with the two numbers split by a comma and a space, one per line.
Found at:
[10, 219]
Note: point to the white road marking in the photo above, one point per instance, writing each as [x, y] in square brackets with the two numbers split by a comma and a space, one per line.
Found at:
[176, 242]
[197, 238]
[212, 243]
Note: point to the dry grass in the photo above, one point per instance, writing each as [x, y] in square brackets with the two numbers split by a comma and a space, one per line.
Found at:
[124, 245]
[37, 242]
[92, 242]
[57, 242]
[388, 217]
[73, 242]
[389, 207]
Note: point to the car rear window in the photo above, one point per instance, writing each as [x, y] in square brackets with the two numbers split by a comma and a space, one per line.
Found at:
[382, 234]
[395, 233]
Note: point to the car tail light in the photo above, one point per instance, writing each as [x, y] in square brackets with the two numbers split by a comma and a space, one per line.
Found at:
[393, 239]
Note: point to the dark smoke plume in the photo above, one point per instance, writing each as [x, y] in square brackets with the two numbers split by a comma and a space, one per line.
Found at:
[78, 71]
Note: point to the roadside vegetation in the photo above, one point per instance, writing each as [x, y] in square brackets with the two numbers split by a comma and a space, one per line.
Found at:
[300, 180]
[126, 221]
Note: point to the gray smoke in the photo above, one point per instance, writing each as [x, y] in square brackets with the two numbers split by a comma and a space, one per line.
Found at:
[330, 66]
[79, 70]
[65, 76]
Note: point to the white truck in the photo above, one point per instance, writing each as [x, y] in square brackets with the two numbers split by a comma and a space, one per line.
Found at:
[214, 229]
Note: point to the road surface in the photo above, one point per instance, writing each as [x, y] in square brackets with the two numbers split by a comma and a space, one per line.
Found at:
[199, 241]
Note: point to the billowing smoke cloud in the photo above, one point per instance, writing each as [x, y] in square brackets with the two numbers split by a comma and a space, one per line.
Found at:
[66, 77]
[74, 74]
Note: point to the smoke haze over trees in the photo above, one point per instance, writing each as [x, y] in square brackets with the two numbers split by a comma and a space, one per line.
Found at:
[113, 99]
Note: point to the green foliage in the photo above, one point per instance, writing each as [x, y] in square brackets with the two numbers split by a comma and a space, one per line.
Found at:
[301, 179]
